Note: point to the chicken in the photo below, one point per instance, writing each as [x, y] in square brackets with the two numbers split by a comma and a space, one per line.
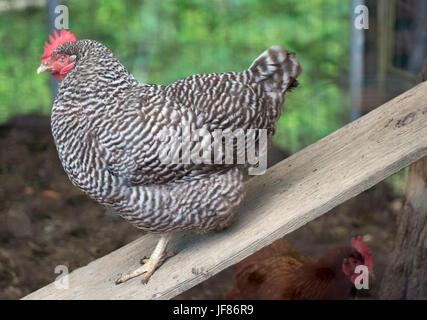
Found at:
[279, 272]
[115, 136]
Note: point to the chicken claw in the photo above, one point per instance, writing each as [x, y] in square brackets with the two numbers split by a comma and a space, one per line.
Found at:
[151, 264]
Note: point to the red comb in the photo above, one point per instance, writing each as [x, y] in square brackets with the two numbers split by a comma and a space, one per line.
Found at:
[362, 248]
[56, 41]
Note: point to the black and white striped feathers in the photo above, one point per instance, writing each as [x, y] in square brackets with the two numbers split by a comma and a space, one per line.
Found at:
[106, 127]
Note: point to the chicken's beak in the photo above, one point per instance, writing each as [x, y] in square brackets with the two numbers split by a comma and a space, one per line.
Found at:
[43, 68]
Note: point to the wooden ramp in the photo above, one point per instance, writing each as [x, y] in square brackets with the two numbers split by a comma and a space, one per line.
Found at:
[292, 193]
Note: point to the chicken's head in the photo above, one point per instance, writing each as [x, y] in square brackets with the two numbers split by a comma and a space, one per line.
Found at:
[360, 256]
[58, 65]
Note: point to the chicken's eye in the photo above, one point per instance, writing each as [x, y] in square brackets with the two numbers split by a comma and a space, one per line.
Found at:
[61, 58]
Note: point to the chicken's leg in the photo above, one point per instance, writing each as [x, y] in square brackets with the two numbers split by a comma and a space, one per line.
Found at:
[151, 264]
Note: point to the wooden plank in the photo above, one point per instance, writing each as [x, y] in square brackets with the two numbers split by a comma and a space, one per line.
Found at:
[290, 194]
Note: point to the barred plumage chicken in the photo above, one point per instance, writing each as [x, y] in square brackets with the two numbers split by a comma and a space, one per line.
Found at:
[108, 127]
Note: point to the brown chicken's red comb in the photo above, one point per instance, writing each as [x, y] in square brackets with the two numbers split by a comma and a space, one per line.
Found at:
[55, 41]
[362, 248]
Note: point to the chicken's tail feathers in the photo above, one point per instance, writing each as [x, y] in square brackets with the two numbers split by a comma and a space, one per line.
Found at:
[276, 69]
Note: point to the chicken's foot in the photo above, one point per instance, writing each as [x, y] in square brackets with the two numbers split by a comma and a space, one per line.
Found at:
[166, 255]
[150, 265]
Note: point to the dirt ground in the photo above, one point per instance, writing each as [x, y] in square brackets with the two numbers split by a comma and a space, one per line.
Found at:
[46, 222]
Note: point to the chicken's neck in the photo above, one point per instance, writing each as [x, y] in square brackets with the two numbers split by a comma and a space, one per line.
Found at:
[93, 85]
[325, 276]
[89, 95]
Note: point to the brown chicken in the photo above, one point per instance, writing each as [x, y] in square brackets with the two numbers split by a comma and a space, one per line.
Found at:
[279, 272]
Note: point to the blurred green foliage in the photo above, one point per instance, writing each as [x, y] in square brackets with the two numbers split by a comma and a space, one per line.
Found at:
[162, 41]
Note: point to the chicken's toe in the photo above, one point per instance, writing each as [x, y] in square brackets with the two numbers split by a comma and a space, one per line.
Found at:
[151, 264]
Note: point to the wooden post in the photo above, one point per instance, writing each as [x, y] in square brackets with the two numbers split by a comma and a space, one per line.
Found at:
[357, 45]
[406, 275]
[51, 5]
